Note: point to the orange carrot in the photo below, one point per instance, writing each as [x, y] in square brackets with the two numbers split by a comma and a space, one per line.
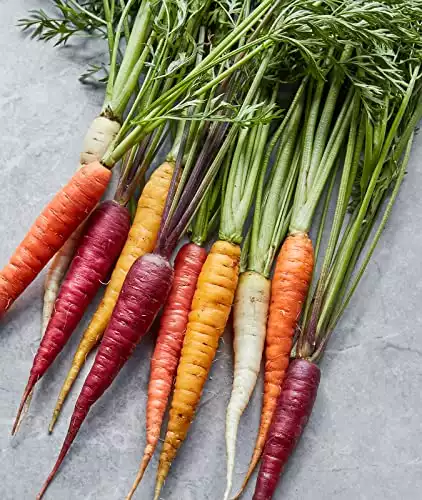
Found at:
[292, 276]
[51, 229]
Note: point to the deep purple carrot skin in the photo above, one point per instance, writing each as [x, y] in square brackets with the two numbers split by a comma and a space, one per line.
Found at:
[101, 244]
[144, 292]
[294, 406]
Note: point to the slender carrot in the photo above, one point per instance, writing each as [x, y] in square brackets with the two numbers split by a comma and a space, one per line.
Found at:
[100, 135]
[210, 311]
[100, 246]
[144, 291]
[187, 266]
[294, 406]
[141, 240]
[50, 231]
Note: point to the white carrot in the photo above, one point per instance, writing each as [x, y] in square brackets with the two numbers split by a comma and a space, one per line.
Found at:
[249, 323]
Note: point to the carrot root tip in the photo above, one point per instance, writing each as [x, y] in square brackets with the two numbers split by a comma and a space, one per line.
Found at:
[53, 421]
[24, 404]
[149, 450]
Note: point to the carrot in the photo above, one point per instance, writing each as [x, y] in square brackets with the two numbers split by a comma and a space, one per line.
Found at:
[141, 240]
[294, 406]
[165, 358]
[292, 276]
[144, 291]
[50, 231]
[100, 246]
[295, 262]
[210, 311]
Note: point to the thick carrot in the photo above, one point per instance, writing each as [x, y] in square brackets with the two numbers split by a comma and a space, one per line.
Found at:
[294, 406]
[292, 276]
[145, 290]
[187, 266]
[141, 240]
[210, 311]
[100, 246]
[50, 231]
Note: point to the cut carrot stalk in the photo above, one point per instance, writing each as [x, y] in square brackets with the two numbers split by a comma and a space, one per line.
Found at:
[51, 230]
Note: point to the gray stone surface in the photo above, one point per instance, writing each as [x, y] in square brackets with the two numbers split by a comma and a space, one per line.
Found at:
[364, 439]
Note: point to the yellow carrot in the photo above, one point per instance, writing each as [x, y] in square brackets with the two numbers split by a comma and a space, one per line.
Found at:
[210, 311]
[141, 240]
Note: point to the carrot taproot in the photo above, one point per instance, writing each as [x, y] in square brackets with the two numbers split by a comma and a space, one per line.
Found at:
[51, 229]
[187, 266]
[294, 406]
[289, 287]
[104, 237]
[141, 240]
[144, 291]
[210, 311]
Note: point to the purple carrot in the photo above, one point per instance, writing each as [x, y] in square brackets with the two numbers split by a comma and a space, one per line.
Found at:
[144, 292]
[294, 407]
[101, 244]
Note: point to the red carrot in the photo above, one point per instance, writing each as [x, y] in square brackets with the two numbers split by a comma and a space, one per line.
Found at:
[51, 229]
[187, 266]
[101, 244]
[144, 291]
[294, 407]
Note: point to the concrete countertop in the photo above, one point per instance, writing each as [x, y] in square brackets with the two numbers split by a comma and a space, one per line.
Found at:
[364, 437]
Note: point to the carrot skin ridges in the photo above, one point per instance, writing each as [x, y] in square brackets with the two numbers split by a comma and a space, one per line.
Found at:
[101, 244]
[289, 287]
[294, 407]
[144, 292]
[250, 313]
[210, 311]
[141, 240]
[51, 229]
[164, 361]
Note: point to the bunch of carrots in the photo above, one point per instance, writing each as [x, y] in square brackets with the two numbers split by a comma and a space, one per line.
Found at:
[208, 76]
